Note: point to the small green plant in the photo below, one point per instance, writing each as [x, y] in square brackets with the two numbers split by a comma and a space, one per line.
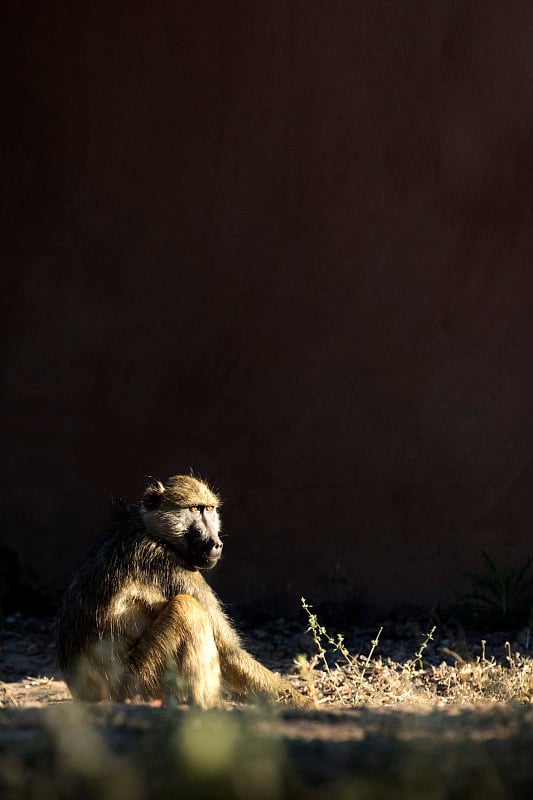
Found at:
[354, 666]
[417, 662]
[501, 597]
[319, 633]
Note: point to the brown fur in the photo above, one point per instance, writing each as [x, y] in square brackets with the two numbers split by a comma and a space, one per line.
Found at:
[139, 619]
[182, 491]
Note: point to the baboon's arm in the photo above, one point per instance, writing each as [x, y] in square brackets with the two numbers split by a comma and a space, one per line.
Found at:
[179, 642]
[243, 674]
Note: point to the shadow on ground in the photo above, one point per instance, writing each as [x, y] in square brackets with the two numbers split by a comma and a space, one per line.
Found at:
[69, 750]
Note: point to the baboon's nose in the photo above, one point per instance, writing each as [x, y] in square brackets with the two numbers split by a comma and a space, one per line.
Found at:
[214, 549]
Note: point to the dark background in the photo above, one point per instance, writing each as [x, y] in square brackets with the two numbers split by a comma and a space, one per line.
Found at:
[289, 245]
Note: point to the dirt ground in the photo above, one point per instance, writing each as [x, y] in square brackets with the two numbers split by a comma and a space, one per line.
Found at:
[414, 748]
[28, 672]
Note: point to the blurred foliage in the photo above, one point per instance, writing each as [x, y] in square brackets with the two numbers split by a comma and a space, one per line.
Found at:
[72, 752]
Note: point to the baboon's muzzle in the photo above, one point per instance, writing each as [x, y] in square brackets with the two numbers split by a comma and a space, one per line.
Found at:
[205, 550]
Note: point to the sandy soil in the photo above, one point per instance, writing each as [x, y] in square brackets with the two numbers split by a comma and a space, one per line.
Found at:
[51, 747]
[28, 672]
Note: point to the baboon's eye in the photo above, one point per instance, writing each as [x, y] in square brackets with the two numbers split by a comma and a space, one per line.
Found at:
[193, 508]
[209, 508]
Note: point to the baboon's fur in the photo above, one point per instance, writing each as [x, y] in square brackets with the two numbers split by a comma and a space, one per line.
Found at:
[139, 619]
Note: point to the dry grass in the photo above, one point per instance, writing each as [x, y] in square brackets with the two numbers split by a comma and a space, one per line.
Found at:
[400, 715]
[434, 675]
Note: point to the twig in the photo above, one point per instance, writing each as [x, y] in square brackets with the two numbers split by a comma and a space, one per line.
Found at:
[9, 696]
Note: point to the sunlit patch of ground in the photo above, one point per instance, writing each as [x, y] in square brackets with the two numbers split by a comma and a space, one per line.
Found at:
[455, 723]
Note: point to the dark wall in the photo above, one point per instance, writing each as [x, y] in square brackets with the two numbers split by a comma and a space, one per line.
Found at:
[286, 244]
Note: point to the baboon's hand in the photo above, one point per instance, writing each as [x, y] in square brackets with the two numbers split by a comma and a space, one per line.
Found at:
[291, 697]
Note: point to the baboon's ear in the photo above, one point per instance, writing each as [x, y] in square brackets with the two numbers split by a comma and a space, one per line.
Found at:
[152, 495]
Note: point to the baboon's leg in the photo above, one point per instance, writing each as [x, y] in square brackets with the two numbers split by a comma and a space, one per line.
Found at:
[97, 675]
[178, 650]
[246, 676]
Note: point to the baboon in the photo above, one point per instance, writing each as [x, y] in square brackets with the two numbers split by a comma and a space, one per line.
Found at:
[139, 619]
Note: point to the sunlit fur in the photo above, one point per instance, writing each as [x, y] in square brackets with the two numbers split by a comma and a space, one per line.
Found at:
[138, 618]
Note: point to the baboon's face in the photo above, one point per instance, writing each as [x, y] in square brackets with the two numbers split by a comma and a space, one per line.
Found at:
[184, 512]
